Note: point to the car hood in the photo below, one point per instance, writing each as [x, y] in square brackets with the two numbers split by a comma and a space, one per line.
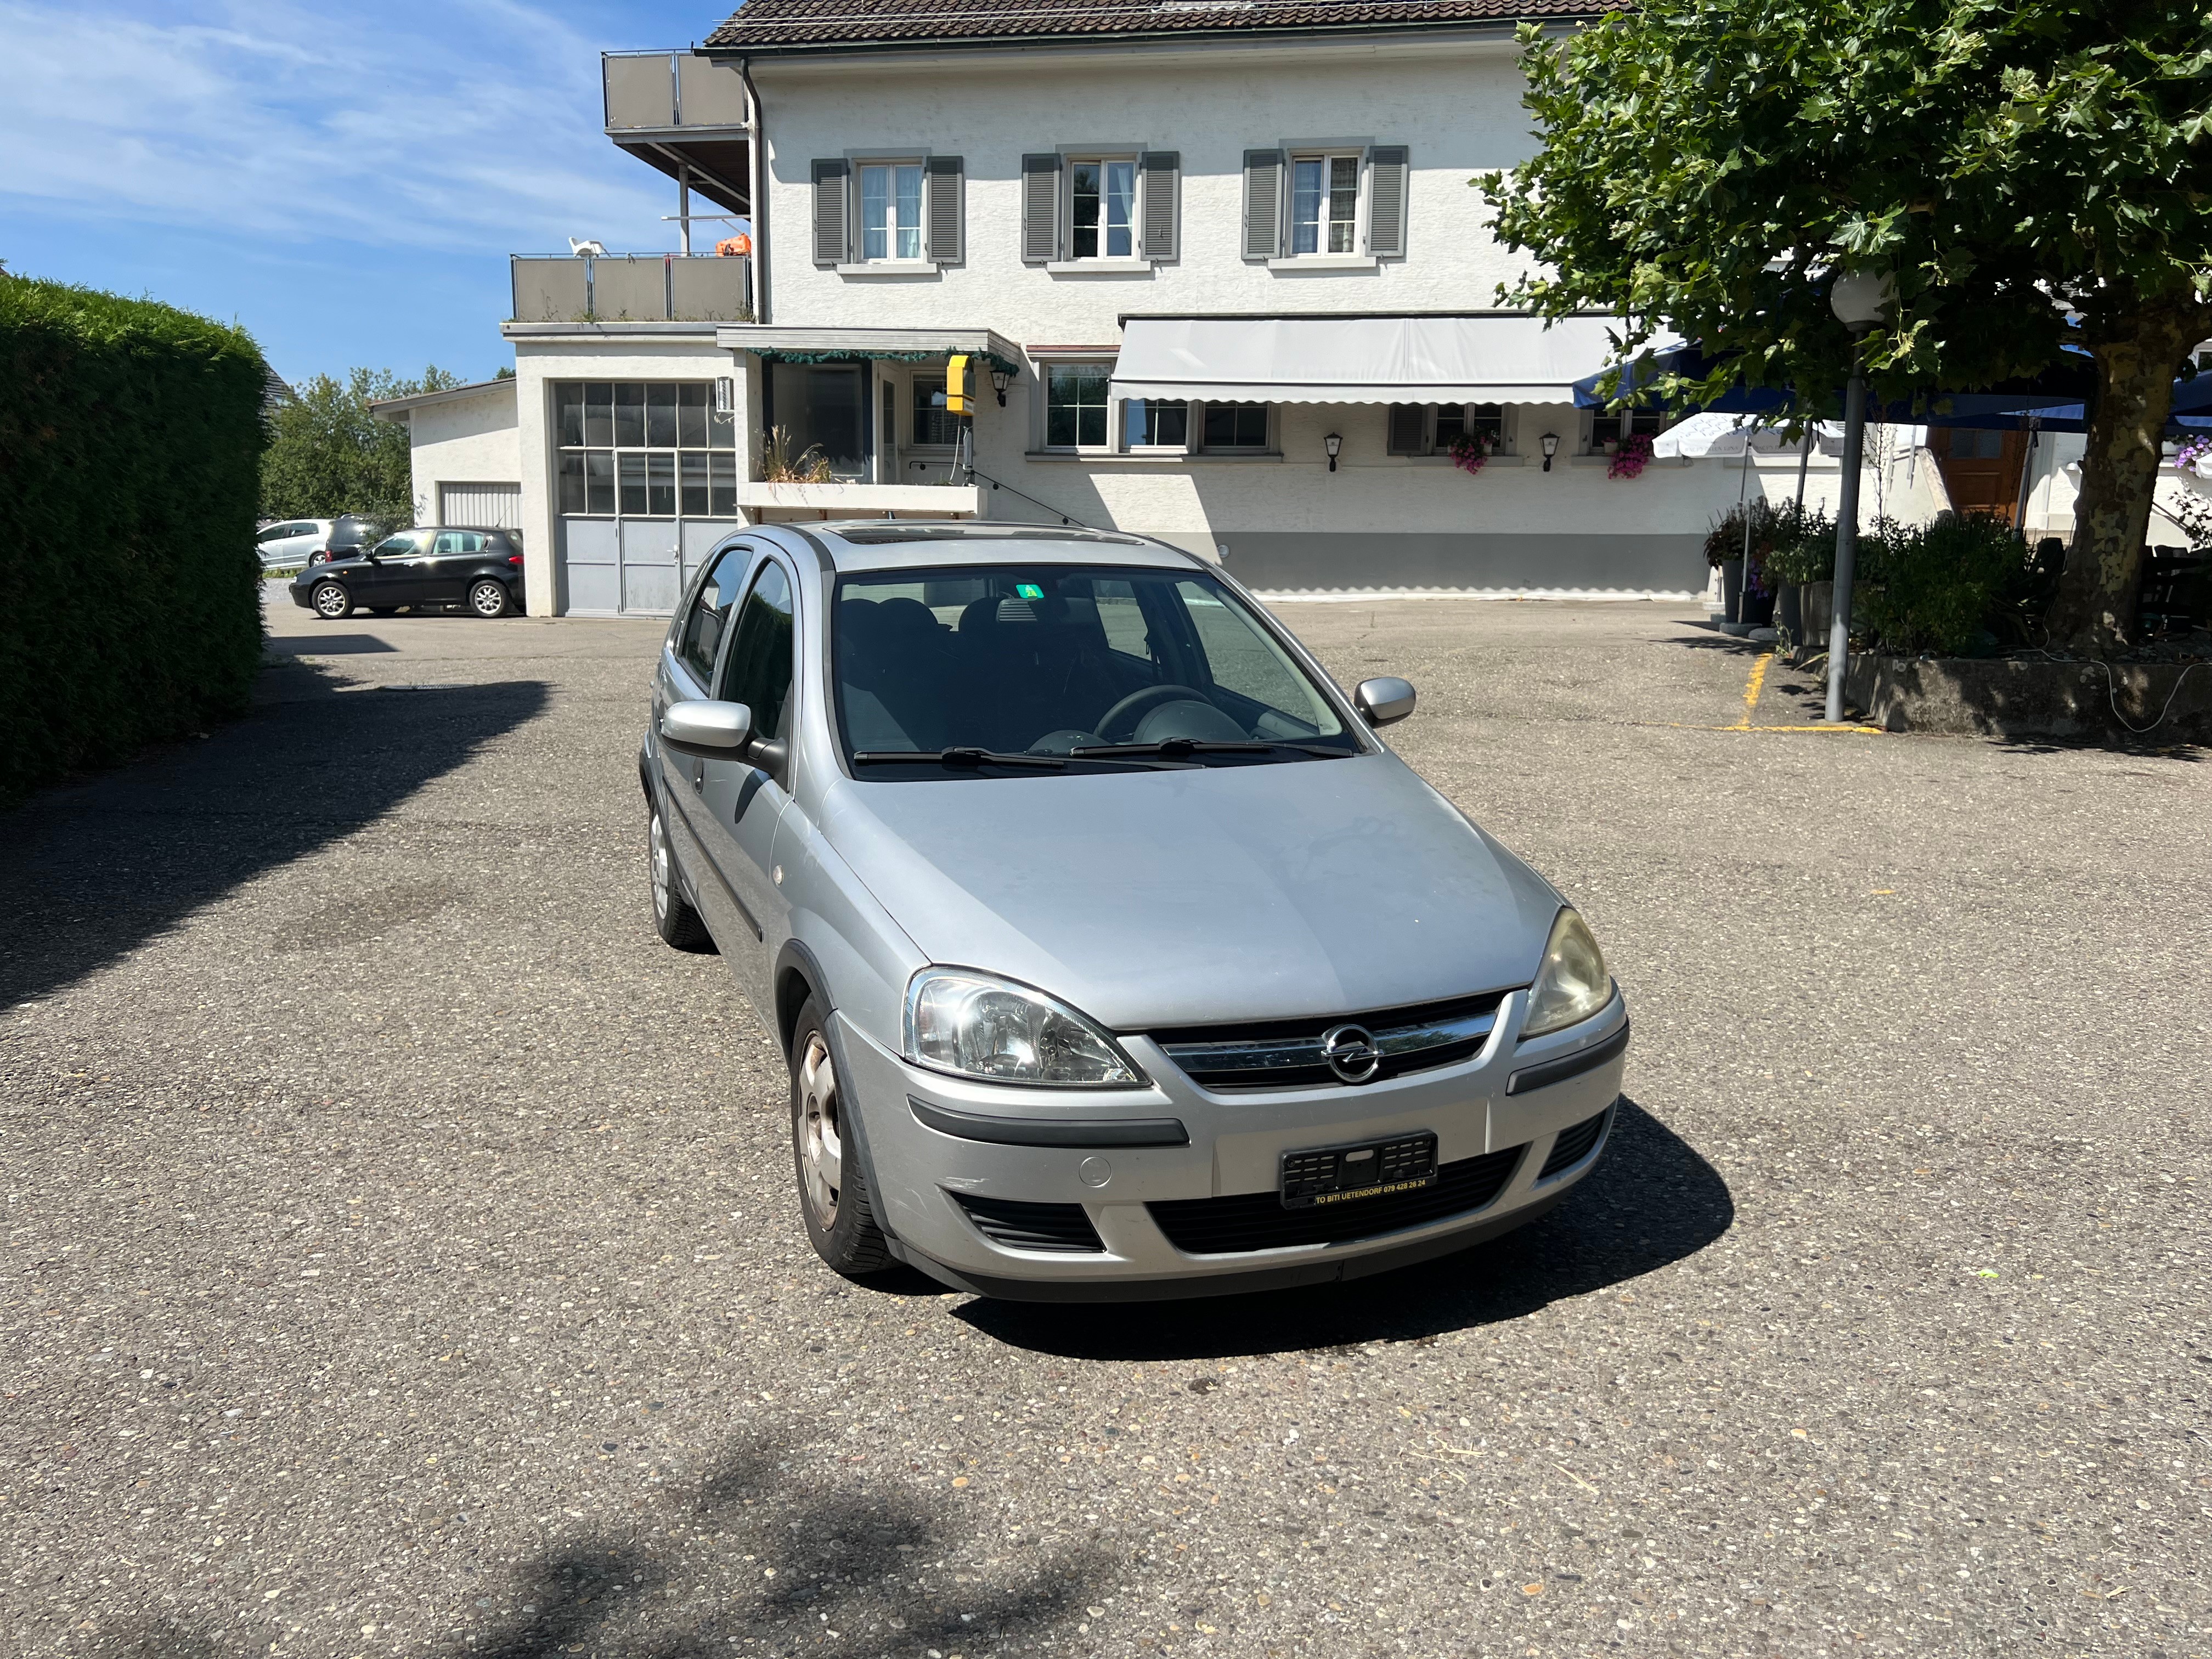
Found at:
[1208, 894]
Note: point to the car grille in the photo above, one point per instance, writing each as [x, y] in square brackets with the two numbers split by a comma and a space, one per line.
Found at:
[1287, 1054]
[1258, 1221]
[1574, 1145]
[1064, 1228]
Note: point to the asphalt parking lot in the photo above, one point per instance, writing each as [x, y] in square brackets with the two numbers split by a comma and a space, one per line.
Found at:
[401, 1255]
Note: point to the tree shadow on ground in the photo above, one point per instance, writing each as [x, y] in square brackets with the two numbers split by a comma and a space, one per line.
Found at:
[93, 870]
[1651, 1201]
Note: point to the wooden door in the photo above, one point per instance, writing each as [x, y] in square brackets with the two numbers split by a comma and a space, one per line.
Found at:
[1981, 469]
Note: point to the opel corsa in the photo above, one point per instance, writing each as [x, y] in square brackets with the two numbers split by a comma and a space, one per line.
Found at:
[1113, 954]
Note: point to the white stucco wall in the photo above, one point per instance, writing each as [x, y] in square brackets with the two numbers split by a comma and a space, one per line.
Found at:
[471, 440]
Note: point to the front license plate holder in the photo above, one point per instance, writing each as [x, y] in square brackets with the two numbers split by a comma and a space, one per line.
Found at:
[1360, 1168]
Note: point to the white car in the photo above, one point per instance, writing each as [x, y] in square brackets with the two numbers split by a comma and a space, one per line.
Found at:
[296, 544]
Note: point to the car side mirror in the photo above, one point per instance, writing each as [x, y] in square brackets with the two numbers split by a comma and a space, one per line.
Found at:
[703, 725]
[1381, 702]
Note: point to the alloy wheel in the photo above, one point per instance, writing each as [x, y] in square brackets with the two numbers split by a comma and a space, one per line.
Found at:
[657, 836]
[820, 1146]
[331, 600]
[487, 598]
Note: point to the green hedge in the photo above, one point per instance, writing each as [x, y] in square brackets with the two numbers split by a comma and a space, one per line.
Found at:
[131, 438]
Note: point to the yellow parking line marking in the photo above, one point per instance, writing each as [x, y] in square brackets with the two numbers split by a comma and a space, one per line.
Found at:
[1693, 726]
[1751, 689]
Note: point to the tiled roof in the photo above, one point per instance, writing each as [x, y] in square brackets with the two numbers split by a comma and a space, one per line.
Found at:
[785, 25]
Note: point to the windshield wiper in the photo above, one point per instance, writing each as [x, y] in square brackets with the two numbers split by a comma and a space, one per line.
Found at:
[955, 756]
[1175, 747]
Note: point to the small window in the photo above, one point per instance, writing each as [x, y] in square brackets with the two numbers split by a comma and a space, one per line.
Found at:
[1155, 424]
[710, 613]
[890, 211]
[1102, 209]
[934, 425]
[1075, 406]
[1235, 426]
[1324, 205]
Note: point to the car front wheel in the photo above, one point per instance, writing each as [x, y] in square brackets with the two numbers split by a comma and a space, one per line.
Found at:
[332, 602]
[833, 1190]
[488, 597]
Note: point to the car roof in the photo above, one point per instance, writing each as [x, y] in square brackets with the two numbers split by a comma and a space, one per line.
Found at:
[859, 545]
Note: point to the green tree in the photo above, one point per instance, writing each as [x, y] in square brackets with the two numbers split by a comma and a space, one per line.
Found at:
[1708, 165]
[328, 454]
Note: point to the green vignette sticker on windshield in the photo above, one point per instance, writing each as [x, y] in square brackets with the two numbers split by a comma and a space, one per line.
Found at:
[1029, 590]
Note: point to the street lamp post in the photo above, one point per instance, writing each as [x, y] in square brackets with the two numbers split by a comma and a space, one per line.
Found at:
[1860, 299]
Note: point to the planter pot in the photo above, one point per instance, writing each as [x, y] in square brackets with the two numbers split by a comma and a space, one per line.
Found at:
[1818, 600]
[1732, 589]
[1758, 609]
[1790, 612]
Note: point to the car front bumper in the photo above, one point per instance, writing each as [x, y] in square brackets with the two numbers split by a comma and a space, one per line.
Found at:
[1498, 1117]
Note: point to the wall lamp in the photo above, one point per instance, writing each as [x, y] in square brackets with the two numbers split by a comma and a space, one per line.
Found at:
[1000, 380]
[1334, 444]
[1549, 443]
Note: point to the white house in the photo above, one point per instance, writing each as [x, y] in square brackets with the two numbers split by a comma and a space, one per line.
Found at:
[1223, 256]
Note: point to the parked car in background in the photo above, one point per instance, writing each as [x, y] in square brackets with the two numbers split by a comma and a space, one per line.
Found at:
[1113, 953]
[435, 568]
[296, 544]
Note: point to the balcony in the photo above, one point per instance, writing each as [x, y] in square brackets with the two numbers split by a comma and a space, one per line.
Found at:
[631, 287]
[773, 503]
[686, 116]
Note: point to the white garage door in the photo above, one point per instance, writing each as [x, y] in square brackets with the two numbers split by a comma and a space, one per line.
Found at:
[486, 506]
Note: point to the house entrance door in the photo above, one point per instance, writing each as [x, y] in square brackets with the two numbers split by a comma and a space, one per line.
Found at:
[1981, 469]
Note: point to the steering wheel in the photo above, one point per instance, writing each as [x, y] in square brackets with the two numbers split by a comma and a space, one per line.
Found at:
[1134, 707]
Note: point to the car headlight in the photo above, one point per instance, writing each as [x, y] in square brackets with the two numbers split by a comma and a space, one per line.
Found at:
[1572, 984]
[978, 1026]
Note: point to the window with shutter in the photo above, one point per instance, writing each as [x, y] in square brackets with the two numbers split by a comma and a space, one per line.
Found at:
[1040, 209]
[1162, 170]
[1389, 170]
[832, 213]
[942, 208]
[1263, 203]
[1409, 430]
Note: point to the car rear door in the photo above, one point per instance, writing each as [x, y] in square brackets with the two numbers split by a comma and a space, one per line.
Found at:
[685, 672]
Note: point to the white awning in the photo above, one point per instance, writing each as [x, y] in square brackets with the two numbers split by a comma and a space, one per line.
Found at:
[1467, 359]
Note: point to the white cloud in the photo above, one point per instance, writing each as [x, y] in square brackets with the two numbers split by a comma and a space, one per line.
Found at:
[460, 127]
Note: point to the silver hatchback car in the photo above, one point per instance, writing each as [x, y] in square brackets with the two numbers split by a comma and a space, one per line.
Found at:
[1113, 954]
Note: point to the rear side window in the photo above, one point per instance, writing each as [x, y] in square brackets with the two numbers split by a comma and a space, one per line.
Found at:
[759, 670]
[702, 638]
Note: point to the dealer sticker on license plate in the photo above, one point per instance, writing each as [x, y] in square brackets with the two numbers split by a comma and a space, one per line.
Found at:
[1336, 1175]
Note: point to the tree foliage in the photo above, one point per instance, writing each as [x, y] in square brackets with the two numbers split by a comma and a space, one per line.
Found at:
[328, 455]
[1708, 165]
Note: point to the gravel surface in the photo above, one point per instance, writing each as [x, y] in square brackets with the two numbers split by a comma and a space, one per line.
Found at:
[402, 1258]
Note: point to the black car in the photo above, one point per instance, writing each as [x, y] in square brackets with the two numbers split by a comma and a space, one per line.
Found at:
[430, 569]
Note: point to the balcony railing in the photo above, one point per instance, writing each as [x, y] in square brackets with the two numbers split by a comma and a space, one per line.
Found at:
[632, 288]
[659, 91]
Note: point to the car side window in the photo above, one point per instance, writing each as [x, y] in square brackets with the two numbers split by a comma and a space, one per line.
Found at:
[710, 613]
[758, 673]
[451, 541]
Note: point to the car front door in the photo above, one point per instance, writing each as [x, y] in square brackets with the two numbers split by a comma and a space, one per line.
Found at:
[686, 672]
[743, 796]
[393, 574]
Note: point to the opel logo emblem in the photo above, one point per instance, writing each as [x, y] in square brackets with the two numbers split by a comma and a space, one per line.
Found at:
[1350, 1053]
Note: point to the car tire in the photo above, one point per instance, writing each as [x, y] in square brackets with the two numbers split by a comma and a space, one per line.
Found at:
[331, 601]
[679, 925]
[320, 556]
[834, 1200]
[487, 598]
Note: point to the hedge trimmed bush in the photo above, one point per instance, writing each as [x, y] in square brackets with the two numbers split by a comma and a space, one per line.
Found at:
[131, 438]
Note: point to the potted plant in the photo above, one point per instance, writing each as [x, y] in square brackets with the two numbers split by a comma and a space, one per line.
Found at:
[1470, 450]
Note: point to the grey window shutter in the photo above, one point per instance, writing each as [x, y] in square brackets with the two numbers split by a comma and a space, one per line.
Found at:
[1408, 428]
[1040, 209]
[1387, 171]
[1162, 172]
[832, 214]
[1263, 203]
[941, 208]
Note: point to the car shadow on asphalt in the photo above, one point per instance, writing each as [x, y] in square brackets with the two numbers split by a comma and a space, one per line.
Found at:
[94, 870]
[1651, 1201]
[794, 1559]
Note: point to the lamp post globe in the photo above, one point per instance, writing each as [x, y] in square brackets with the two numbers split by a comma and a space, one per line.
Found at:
[1860, 299]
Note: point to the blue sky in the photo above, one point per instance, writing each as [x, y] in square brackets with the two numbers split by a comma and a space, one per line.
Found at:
[344, 180]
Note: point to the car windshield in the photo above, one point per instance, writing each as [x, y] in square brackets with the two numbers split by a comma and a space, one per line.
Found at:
[1044, 668]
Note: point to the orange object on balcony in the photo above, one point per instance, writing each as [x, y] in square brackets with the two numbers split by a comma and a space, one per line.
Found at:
[739, 245]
